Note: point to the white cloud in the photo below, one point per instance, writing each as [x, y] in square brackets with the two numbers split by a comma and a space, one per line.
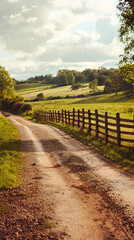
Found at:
[32, 19]
[55, 34]
[16, 19]
[13, 1]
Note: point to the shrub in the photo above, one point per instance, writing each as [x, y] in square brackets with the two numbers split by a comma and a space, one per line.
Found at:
[75, 86]
[40, 97]
[14, 106]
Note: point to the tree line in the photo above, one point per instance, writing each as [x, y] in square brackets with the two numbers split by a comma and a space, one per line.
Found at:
[110, 78]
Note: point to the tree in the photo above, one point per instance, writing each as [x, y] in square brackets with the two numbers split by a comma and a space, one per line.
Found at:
[108, 86]
[102, 75]
[65, 77]
[93, 85]
[127, 71]
[40, 97]
[6, 84]
[126, 8]
[75, 86]
[115, 83]
[70, 78]
[79, 77]
[48, 78]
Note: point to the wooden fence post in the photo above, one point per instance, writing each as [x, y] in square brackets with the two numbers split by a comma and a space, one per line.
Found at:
[133, 122]
[51, 115]
[55, 116]
[78, 118]
[97, 127]
[58, 116]
[47, 116]
[69, 118]
[106, 127]
[89, 121]
[83, 118]
[73, 116]
[118, 129]
[62, 116]
[65, 117]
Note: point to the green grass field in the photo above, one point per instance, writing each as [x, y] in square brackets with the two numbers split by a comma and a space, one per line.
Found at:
[30, 88]
[10, 158]
[104, 103]
[51, 90]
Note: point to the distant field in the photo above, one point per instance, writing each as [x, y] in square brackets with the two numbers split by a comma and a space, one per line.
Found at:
[51, 90]
[108, 102]
[29, 88]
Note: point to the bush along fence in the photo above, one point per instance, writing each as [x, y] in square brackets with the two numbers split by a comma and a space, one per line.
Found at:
[111, 129]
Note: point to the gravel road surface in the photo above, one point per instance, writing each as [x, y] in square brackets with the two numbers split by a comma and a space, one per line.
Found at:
[84, 195]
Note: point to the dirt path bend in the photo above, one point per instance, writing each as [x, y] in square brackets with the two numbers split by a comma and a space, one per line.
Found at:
[85, 197]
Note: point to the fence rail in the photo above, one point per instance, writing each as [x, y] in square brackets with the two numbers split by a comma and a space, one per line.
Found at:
[111, 129]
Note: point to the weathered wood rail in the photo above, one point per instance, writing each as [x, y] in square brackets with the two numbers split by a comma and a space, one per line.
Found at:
[111, 129]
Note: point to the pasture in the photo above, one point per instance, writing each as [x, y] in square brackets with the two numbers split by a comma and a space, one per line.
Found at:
[110, 103]
[31, 88]
[51, 90]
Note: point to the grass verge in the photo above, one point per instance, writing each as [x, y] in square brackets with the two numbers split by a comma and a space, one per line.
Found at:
[123, 156]
[11, 162]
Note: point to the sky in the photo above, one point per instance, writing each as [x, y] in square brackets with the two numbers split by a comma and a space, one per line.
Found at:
[39, 37]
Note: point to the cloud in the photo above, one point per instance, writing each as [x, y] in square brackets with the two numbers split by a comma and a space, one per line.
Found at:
[55, 34]
[13, 1]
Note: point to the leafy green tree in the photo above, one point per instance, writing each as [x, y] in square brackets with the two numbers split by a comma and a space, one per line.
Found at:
[93, 85]
[126, 8]
[108, 86]
[79, 77]
[62, 79]
[40, 97]
[48, 78]
[115, 83]
[6, 85]
[75, 86]
[70, 78]
[103, 73]
[127, 71]
[65, 77]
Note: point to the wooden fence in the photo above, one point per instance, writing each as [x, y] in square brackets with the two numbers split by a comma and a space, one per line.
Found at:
[111, 129]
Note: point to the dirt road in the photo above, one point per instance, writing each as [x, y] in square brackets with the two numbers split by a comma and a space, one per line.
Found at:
[84, 196]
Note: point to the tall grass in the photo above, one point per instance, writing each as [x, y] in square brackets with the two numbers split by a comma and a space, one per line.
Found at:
[10, 158]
